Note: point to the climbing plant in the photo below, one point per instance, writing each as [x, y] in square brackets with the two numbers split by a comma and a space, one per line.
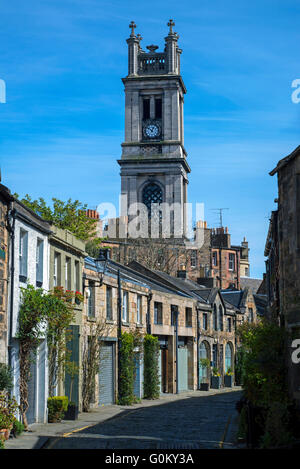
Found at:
[32, 313]
[60, 314]
[91, 358]
[151, 370]
[42, 314]
[126, 376]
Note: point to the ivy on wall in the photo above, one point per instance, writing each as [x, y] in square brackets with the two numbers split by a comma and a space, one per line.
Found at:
[151, 370]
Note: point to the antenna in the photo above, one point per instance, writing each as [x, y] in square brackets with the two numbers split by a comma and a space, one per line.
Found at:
[220, 210]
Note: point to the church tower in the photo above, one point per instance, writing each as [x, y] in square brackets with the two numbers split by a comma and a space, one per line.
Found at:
[153, 164]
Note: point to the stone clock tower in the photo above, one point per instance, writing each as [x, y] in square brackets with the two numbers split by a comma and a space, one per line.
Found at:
[153, 163]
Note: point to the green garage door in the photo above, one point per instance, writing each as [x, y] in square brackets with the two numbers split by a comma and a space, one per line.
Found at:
[106, 374]
[182, 369]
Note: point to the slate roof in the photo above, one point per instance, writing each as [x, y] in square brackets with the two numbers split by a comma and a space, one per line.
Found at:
[261, 303]
[252, 283]
[234, 297]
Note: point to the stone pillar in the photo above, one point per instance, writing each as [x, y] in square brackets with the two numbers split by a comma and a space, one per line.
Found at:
[133, 49]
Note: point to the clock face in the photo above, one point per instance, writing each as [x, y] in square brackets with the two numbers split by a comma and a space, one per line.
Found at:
[152, 130]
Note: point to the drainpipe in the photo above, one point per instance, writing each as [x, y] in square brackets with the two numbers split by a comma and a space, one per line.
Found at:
[149, 298]
[119, 328]
[175, 312]
[12, 275]
[198, 339]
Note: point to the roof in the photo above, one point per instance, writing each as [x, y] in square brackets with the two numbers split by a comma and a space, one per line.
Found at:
[261, 303]
[131, 275]
[233, 297]
[252, 284]
[286, 160]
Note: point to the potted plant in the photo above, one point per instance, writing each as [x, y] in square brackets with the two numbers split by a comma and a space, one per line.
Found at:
[72, 411]
[8, 409]
[78, 297]
[216, 378]
[228, 378]
[57, 406]
[204, 385]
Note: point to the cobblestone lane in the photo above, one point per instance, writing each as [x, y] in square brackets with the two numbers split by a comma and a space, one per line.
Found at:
[188, 423]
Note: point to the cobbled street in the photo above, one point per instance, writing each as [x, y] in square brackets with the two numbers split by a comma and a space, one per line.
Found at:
[189, 423]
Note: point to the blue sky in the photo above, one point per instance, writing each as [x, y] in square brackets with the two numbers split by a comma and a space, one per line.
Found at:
[62, 125]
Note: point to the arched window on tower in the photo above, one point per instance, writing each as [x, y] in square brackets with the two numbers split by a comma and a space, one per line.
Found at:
[152, 194]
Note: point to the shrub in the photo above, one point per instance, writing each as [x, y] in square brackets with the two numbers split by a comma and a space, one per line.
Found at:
[151, 370]
[57, 406]
[8, 409]
[6, 381]
[18, 428]
[126, 384]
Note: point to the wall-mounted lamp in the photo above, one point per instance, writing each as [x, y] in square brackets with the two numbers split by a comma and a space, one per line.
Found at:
[101, 264]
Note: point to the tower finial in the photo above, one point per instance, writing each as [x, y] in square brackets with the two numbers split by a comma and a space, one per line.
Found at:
[132, 26]
[171, 24]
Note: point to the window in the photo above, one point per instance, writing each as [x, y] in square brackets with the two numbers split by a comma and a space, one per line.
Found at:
[215, 318]
[146, 108]
[23, 255]
[39, 262]
[109, 313]
[56, 270]
[228, 324]
[231, 261]
[157, 313]
[125, 312]
[228, 357]
[152, 194]
[205, 321]
[139, 309]
[77, 276]
[215, 258]
[251, 317]
[215, 355]
[174, 311]
[158, 108]
[68, 273]
[193, 258]
[91, 301]
[188, 317]
[220, 318]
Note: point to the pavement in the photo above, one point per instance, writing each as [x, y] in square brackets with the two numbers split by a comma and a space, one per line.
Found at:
[41, 435]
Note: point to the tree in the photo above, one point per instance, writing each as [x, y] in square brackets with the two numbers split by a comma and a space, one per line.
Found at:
[69, 215]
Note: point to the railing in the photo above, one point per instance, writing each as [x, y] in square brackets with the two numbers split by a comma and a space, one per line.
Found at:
[152, 63]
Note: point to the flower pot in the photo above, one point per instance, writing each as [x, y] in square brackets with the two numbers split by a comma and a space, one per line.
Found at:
[216, 382]
[55, 418]
[72, 412]
[204, 387]
[77, 301]
[5, 432]
[228, 381]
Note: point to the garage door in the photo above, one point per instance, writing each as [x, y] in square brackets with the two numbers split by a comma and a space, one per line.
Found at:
[182, 369]
[106, 374]
[160, 371]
